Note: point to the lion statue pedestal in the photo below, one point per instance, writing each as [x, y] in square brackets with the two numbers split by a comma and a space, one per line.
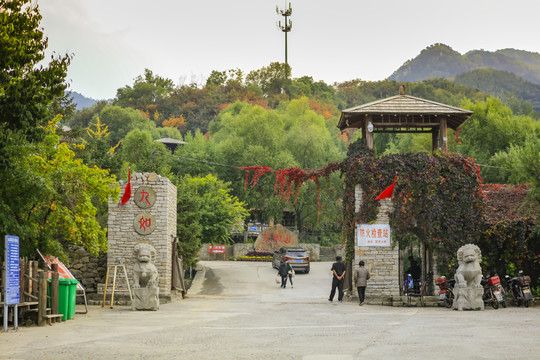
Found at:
[145, 279]
[468, 289]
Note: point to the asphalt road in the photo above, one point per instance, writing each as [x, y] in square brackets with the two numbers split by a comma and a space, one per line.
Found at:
[235, 310]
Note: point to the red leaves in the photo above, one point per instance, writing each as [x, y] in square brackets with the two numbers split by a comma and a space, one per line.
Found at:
[289, 181]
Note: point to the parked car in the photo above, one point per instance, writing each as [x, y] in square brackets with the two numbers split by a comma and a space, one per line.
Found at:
[296, 256]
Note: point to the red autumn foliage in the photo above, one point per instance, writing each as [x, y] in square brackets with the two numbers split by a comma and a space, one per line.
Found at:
[505, 202]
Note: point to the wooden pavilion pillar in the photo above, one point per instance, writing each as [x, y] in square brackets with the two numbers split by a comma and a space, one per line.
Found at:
[366, 134]
[439, 136]
[444, 134]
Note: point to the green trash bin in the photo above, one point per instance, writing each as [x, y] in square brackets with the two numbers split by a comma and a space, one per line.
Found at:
[72, 298]
[63, 297]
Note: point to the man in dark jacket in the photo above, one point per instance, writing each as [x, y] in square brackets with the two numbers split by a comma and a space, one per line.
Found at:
[338, 278]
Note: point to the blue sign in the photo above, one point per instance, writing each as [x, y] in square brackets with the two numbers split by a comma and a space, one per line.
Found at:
[253, 228]
[12, 270]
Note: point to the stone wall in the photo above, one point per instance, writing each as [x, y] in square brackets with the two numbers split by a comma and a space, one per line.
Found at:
[89, 270]
[382, 262]
[125, 229]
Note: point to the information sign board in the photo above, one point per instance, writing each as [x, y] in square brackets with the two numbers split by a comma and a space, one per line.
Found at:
[373, 235]
[12, 296]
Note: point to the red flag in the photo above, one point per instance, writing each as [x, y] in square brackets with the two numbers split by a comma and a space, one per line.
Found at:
[388, 191]
[127, 192]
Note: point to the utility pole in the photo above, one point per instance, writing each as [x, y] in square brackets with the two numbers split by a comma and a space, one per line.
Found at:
[287, 24]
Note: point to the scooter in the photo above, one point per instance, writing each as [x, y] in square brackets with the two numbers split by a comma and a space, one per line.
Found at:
[520, 288]
[446, 292]
[492, 293]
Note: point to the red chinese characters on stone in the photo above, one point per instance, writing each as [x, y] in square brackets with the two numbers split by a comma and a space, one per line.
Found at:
[144, 197]
[145, 223]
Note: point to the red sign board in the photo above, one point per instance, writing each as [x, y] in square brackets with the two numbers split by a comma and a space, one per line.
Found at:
[63, 271]
[216, 249]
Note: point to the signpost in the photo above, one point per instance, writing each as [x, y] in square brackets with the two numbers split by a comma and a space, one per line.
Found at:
[11, 281]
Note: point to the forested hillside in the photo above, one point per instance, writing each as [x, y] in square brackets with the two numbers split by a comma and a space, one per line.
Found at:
[509, 87]
[513, 75]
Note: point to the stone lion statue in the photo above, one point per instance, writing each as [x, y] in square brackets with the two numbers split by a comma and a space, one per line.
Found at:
[145, 273]
[145, 279]
[468, 278]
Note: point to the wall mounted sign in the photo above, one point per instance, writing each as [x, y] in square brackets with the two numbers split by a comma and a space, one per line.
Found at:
[373, 235]
[145, 197]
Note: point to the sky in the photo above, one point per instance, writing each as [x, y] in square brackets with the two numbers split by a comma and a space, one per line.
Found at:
[113, 41]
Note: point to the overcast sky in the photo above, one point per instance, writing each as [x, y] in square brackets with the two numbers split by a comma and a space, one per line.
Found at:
[113, 41]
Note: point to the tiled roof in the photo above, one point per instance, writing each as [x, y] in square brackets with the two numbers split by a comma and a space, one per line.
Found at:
[403, 105]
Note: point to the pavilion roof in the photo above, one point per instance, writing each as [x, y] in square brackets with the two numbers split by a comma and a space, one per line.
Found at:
[401, 110]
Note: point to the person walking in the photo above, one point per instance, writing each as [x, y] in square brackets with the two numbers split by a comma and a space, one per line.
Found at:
[338, 278]
[290, 272]
[361, 276]
[283, 271]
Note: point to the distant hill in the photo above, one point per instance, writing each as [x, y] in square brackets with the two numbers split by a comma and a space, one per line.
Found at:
[503, 73]
[82, 101]
[501, 83]
[441, 61]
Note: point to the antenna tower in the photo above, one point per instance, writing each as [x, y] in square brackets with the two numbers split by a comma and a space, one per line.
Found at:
[287, 26]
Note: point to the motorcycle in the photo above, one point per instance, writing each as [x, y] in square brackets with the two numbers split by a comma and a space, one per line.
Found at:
[492, 292]
[446, 292]
[520, 288]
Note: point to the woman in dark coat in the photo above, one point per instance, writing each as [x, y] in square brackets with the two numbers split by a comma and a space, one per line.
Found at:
[283, 272]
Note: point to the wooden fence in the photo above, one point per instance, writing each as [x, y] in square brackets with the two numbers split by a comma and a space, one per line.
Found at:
[35, 305]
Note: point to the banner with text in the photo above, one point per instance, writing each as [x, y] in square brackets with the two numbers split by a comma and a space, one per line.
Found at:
[373, 235]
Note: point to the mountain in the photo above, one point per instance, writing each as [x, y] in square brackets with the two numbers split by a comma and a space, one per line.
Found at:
[501, 84]
[82, 101]
[441, 61]
[436, 61]
[506, 73]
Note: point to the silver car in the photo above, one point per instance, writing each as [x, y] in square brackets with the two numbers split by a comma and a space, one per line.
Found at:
[297, 257]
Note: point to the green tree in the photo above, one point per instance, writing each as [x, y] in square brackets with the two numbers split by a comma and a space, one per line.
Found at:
[49, 197]
[206, 212]
[492, 129]
[198, 157]
[96, 149]
[521, 165]
[26, 86]
[145, 154]
[148, 89]
[274, 80]
[122, 120]
[291, 136]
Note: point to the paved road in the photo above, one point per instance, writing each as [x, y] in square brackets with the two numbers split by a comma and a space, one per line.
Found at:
[236, 311]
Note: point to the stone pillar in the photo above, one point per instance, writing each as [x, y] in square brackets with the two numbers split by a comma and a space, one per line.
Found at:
[148, 217]
[381, 261]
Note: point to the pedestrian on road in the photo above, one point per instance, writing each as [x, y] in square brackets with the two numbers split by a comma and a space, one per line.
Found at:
[338, 271]
[283, 271]
[361, 276]
[290, 272]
